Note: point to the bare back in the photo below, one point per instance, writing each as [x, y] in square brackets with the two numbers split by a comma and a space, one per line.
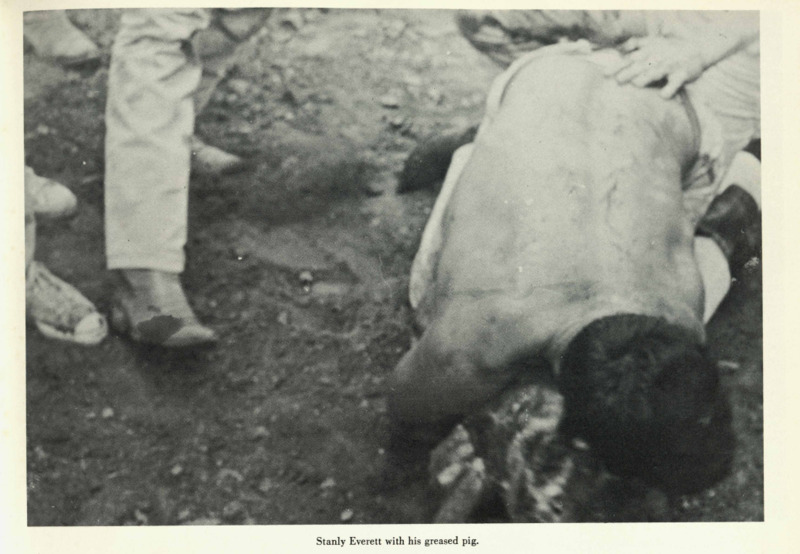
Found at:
[569, 209]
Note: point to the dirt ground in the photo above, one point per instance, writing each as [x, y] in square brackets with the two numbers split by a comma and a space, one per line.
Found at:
[301, 264]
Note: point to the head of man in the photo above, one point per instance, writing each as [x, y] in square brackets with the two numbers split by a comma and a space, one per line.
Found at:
[648, 399]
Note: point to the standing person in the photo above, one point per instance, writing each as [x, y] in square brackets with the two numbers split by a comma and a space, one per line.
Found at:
[165, 64]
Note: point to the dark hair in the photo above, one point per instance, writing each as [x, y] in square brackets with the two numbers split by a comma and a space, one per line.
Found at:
[647, 398]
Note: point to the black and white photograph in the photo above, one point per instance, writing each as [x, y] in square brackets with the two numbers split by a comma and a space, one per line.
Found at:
[303, 266]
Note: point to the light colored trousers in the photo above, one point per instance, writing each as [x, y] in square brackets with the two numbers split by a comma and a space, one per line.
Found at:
[165, 64]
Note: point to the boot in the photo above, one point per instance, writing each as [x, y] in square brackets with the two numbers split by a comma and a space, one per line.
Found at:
[151, 307]
[733, 221]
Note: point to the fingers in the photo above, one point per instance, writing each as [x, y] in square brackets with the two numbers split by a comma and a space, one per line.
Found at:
[649, 75]
[640, 73]
[630, 45]
[675, 81]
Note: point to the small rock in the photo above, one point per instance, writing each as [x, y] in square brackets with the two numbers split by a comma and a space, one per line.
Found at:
[40, 453]
[183, 515]
[328, 483]
[141, 517]
[346, 516]
[239, 253]
[226, 473]
[306, 278]
[260, 432]
[390, 100]
[447, 476]
[239, 86]
[107, 413]
[579, 444]
[91, 415]
[397, 122]
[752, 263]
[266, 485]
[176, 470]
[283, 318]
[233, 511]
[728, 365]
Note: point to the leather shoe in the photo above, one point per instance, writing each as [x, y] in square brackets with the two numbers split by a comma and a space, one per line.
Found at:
[53, 36]
[151, 307]
[48, 198]
[59, 310]
[211, 161]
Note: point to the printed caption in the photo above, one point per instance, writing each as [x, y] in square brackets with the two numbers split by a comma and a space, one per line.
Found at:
[396, 541]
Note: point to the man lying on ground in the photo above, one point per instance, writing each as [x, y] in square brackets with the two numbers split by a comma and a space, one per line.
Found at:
[563, 242]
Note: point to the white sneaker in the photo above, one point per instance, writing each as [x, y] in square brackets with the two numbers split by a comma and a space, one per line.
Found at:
[59, 310]
[48, 198]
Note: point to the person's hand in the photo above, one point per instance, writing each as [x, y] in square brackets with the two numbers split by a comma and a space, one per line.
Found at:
[651, 59]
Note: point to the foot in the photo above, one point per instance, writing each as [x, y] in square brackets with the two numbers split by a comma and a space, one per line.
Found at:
[59, 311]
[211, 161]
[428, 162]
[151, 307]
[733, 221]
[48, 198]
[53, 36]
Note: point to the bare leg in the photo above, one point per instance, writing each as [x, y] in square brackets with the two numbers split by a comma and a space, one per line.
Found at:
[714, 265]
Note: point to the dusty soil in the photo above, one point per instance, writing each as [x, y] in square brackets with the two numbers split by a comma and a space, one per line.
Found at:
[284, 421]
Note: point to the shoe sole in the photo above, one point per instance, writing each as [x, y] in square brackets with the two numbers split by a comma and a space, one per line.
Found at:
[92, 338]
